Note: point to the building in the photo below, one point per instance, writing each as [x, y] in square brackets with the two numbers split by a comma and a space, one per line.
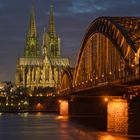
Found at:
[41, 65]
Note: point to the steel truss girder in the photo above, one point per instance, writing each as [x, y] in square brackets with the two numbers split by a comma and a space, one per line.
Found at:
[114, 28]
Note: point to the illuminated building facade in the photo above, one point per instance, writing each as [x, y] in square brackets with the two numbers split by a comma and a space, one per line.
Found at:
[41, 65]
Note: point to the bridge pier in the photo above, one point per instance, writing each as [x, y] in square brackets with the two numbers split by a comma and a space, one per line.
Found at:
[117, 116]
[123, 116]
[111, 114]
[64, 107]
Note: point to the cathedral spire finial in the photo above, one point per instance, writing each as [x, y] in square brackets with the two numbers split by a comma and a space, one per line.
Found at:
[31, 48]
[32, 25]
[51, 28]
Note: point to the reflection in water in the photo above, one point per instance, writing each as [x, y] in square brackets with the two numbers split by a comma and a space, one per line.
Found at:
[38, 114]
[65, 118]
[118, 116]
[47, 127]
[24, 115]
[0, 114]
[109, 137]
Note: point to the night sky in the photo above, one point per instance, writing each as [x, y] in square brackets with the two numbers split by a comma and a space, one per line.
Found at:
[72, 17]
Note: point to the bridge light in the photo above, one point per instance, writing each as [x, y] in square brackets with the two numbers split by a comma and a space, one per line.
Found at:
[132, 65]
[39, 106]
[40, 95]
[106, 99]
[59, 101]
[110, 73]
[30, 95]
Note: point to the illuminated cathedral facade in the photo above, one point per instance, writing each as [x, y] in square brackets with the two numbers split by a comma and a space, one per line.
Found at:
[41, 65]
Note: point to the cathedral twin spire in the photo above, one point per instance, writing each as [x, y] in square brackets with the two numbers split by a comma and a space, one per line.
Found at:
[53, 49]
[32, 49]
[32, 31]
[51, 26]
[40, 66]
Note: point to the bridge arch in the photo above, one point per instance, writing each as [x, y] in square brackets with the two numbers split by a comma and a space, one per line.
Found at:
[109, 51]
[66, 81]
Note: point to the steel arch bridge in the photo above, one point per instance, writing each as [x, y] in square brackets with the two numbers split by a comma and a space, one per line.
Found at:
[110, 52]
[66, 81]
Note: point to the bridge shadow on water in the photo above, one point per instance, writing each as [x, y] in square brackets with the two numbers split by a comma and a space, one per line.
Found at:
[92, 128]
[118, 117]
[91, 122]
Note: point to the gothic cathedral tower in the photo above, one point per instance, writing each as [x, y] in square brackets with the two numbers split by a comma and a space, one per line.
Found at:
[31, 48]
[41, 68]
[51, 42]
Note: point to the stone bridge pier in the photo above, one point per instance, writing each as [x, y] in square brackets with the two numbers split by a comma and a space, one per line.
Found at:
[112, 114]
[123, 116]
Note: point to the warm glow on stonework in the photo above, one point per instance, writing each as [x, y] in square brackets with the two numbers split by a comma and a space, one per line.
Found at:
[64, 108]
[117, 116]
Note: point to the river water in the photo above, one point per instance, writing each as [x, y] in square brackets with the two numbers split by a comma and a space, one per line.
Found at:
[40, 126]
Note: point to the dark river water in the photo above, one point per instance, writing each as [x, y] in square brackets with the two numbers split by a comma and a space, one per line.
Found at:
[40, 126]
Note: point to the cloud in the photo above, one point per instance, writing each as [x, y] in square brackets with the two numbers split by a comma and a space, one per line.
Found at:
[88, 6]
[80, 7]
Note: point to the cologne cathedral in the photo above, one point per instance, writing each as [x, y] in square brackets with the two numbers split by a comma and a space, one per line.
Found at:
[41, 65]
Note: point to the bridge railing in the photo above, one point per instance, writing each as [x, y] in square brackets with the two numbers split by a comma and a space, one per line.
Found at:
[108, 80]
